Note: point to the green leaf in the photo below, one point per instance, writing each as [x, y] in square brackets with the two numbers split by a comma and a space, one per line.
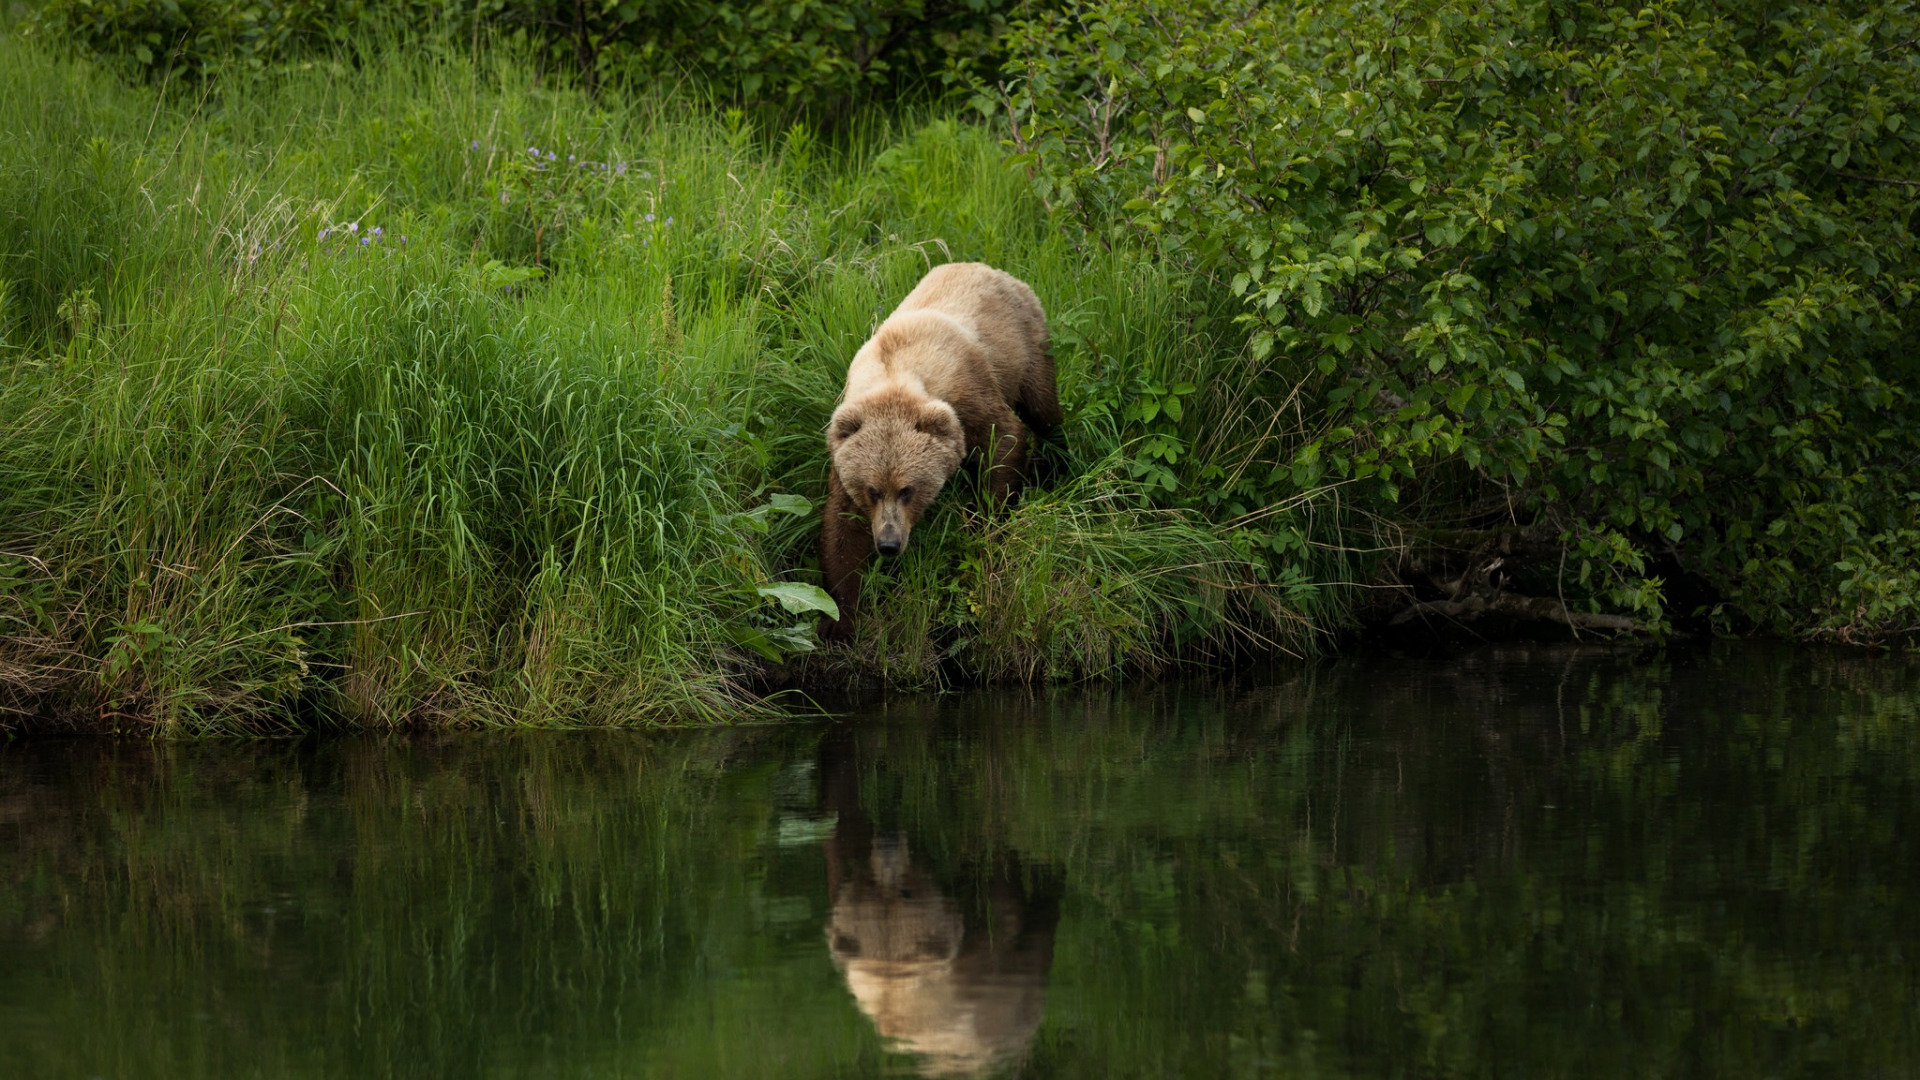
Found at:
[796, 638]
[495, 274]
[800, 598]
[756, 640]
[791, 504]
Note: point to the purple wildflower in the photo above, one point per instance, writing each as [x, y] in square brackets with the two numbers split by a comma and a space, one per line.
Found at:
[649, 217]
[474, 145]
[620, 169]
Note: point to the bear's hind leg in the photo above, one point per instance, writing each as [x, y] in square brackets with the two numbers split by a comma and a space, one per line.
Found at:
[1006, 474]
[1039, 403]
[1039, 408]
[844, 542]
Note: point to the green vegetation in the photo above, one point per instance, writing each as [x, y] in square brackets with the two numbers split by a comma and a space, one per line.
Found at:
[477, 373]
[820, 55]
[1616, 293]
[429, 390]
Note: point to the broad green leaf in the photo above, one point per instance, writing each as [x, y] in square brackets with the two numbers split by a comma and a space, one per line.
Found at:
[800, 598]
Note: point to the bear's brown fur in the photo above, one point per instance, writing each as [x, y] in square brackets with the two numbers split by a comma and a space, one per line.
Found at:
[960, 368]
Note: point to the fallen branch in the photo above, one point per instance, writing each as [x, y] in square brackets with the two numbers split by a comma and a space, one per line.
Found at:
[1895, 181]
[1544, 609]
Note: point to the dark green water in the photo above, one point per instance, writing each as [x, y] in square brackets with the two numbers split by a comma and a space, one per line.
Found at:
[1519, 863]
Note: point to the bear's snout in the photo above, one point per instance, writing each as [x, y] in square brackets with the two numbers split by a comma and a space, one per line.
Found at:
[890, 527]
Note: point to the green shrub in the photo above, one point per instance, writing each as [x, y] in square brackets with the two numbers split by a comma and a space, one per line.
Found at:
[205, 36]
[1641, 278]
[812, 54]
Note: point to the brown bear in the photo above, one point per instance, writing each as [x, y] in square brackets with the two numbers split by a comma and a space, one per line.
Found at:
[960, 368]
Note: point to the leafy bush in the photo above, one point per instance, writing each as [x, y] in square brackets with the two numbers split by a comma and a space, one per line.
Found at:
[1640, 278]
[202, 36]
[813, 53]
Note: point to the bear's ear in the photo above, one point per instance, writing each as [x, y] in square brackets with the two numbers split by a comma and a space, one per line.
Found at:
[845, 424]
[938, 420]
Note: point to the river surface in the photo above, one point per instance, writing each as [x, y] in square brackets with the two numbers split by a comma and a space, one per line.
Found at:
[1525, 862]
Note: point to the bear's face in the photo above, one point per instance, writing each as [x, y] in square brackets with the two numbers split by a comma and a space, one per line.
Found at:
[893, 454]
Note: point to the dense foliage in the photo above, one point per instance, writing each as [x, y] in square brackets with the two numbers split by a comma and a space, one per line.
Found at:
[810, 54]
[168, 37]
[1639, 280]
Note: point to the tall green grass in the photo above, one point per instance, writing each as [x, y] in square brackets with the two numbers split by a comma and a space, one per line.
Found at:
[423, 389]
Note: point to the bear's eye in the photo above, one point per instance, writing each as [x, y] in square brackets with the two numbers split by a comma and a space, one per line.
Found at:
[906, 494]
[873, 494]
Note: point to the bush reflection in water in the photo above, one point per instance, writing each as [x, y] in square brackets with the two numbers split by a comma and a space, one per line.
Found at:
[1549, 862]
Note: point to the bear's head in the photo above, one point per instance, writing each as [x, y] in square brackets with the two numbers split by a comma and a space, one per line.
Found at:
[893, 452]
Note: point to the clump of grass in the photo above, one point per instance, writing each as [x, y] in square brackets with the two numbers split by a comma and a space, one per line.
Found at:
[1090, 581]
[427, 390]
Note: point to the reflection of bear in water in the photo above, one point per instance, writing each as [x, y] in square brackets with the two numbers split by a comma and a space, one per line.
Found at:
[961, 987]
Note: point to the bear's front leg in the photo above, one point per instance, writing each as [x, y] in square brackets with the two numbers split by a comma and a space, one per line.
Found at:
[845, 539]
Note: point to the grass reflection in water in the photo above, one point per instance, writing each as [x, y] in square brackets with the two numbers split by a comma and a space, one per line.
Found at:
[1538, 862]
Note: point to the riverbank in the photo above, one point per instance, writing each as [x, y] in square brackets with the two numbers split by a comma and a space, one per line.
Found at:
[402, 378]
